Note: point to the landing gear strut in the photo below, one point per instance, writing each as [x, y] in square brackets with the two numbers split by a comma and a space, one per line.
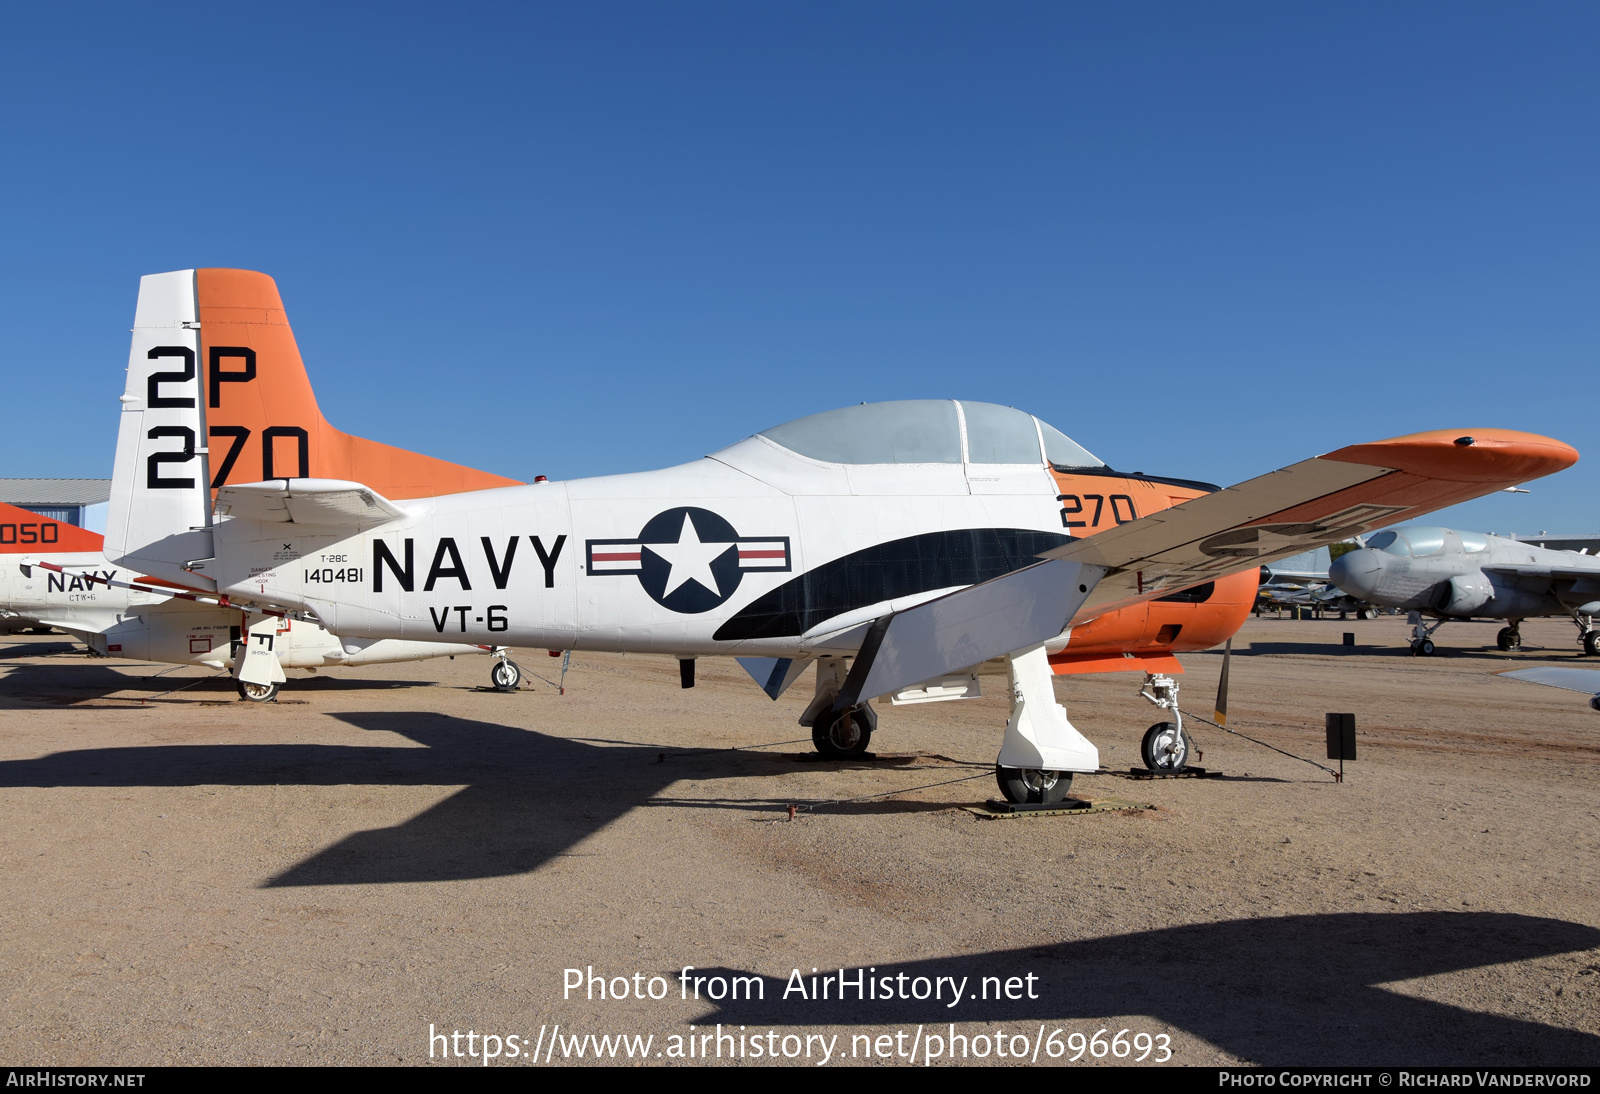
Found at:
[1041, 750]
[1587, 634]
[1165, 748]
[1422, 635]
[837, 734]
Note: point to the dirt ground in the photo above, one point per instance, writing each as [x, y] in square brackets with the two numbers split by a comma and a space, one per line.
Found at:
[193, 879]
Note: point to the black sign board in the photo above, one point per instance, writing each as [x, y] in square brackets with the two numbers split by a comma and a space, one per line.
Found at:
[1341, 736]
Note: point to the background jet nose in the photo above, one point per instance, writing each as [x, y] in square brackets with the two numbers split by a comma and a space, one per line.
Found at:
[1357, 572]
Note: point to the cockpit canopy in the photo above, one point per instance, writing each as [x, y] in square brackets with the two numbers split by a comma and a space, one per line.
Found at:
[929, 431]
[1420, 541]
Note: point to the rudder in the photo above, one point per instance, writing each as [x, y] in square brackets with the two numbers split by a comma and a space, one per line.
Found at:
[262, 415]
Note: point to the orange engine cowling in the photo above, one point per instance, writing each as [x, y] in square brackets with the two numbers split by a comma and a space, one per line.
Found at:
[1144, 638]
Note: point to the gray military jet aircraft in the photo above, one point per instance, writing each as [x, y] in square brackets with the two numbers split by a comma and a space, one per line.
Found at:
[1445, 574]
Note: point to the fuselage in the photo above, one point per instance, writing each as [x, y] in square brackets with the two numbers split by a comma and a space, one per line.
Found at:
[1454, 574]
[757, 549]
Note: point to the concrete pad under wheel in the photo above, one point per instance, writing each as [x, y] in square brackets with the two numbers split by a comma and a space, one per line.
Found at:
[994, 809]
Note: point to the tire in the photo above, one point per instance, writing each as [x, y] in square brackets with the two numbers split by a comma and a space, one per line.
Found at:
[505, 675]
[1591, 643]
[1425, 647]
[1029, 786]
[257, 693]
[1165, 748]
[1509, 639]
[845, 734]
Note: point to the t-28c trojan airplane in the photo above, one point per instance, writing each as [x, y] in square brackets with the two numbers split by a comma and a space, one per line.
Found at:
[898, 545]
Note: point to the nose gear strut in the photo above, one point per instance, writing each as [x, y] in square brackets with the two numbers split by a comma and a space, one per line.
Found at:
[1165, 748]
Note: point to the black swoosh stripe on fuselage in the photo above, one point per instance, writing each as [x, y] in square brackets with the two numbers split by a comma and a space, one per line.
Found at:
[888, 571]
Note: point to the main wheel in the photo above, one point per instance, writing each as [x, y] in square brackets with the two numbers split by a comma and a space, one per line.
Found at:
[1425, 647]
[257, 693]
[1591, 643]
[1030, 786]
[1508, 639]
[1165, 748]
[844, 734]
[505, 676]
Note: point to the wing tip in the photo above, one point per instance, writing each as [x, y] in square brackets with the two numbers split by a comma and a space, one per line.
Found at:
[1465, 455]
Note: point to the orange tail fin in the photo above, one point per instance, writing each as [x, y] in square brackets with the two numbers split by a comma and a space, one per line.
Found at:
[262, 415]
[25, 533]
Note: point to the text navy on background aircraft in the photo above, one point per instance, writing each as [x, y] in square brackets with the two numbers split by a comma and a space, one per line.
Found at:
[117, 614]
[898, 545]
[1446, 574]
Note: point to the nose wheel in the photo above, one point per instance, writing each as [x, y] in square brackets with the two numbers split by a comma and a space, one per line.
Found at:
[1510, 639]
[1591, 643]
[1165, 748]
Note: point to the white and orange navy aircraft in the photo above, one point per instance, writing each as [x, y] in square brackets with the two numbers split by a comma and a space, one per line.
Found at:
[117, 614]
[899, 546]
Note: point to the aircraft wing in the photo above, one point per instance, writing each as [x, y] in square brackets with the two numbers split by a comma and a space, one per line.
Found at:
[1584, 680]
[1317, 501]
[320, 502]
[1024, 608]
[1321, 500]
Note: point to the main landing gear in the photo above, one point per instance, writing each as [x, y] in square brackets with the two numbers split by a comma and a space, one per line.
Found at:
[1042, 750]
[1509, 639]
[1587, 635]
[257, 693]
[838, 734]
[1165, 748]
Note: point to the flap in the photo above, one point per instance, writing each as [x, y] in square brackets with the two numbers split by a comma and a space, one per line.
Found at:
[1317, 501]
[323, 502]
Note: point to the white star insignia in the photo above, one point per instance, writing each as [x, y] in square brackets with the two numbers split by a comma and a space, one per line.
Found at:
[689, 558]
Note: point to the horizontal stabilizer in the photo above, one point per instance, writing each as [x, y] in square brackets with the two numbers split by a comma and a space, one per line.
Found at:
[1317, 501]
[1027, 607]
[319, 502]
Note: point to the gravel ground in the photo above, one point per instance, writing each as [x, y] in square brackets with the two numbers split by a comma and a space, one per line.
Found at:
[198, 880]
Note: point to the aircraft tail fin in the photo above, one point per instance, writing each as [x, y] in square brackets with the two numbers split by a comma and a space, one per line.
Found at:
[159, 517]
[261, 413]
[25, 533]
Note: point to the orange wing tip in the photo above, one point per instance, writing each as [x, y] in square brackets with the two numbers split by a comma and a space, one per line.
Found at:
[1466, 455]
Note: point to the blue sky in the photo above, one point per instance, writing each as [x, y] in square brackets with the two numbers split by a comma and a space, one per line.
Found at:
[1204, 240]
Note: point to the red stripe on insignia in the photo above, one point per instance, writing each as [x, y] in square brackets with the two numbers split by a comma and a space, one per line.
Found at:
[758, 554]
[604, 557]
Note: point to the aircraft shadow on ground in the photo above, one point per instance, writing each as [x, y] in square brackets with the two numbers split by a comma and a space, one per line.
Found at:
[80, 680]
[1289, 990]
[42, 647]
[527, 797]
